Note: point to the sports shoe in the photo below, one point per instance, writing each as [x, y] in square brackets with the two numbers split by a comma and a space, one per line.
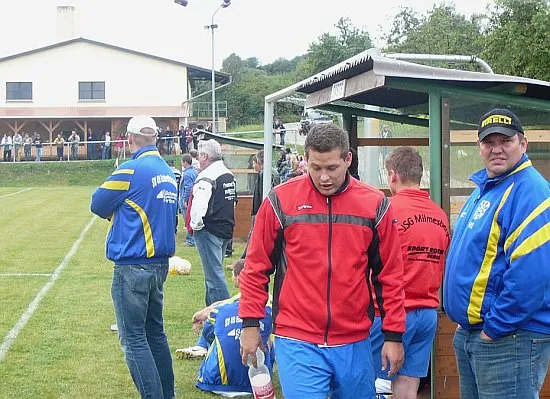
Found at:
[193, 352]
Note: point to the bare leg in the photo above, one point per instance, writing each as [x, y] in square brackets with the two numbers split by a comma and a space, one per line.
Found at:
[405, 387]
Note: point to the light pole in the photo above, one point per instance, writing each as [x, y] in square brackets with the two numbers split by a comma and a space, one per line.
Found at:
[212, 26]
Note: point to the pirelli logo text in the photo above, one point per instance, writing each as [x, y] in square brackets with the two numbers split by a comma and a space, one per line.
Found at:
[502, 119]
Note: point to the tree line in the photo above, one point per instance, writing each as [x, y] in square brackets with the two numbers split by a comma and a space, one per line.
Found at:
[513, 36]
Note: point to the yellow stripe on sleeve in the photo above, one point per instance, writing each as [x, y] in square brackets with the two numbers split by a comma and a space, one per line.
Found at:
[116, 185]
[147, 233]
[535, 240]
[149, 153]
[123, 172]
[536, 212]
[480, 283]
[221, 362]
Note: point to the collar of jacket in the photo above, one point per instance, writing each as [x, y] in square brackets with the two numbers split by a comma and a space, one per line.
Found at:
[143, 150]
[481, 178]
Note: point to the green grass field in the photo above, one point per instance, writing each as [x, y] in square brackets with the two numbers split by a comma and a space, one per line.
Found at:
[66, 350]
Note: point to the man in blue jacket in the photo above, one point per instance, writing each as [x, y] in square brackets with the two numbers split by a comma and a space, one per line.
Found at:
[497, 281]
[186, 186]
[140, 200]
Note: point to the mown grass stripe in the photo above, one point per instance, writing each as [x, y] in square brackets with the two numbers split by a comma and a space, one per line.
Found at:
[14, 332]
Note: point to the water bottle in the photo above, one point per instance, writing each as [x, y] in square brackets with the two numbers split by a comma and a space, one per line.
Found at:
[260, 379]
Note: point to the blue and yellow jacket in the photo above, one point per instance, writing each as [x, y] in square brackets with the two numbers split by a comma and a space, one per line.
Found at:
[140, 200]
[222, 369]
[497, 276]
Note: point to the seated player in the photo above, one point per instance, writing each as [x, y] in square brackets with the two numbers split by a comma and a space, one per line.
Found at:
[222, 371]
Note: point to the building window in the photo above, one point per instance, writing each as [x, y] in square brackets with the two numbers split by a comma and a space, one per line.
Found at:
[91, 90]
[18, 91]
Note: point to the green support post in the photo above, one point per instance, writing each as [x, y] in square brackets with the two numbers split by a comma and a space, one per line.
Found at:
[435, 147]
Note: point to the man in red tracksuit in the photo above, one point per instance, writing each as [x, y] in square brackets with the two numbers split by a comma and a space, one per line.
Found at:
[424, 232]
[331, 242]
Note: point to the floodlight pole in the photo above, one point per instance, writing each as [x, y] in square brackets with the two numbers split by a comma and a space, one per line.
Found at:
[213, 26]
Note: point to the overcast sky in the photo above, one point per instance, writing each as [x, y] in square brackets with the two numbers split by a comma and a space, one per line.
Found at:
[267, 29]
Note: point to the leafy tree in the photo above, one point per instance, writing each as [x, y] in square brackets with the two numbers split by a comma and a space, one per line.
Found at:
[330, 49]
[517, 38]
[405, 22]
[442, 31]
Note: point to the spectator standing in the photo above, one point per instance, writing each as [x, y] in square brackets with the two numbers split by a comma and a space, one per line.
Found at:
[27, 146]
[169, 135]
[195, 159]
[280, 128]
[74, 140]
[189, 140]
[91, 145]
[424, 235]
[212, 217]
[139, 242]
[181, 140]
[328, 255]
[7, 143]
[59, 143]
[38, 146]
[120, 145]
[497, 279]
[187, 182]
[106, 146]
[17, 144]
[257, 192]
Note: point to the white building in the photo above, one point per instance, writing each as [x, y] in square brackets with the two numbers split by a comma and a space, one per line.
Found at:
[84, 84]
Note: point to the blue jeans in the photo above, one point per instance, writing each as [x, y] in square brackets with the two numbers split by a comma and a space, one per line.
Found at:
[137, 293]
[512, 367]
[211, 250]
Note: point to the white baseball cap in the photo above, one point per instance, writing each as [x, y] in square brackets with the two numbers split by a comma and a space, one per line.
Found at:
[139, 122]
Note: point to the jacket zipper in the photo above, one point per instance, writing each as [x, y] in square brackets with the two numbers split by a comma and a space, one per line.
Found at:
[329, 203]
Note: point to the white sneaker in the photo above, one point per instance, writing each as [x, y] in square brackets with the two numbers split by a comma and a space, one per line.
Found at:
[193, 352]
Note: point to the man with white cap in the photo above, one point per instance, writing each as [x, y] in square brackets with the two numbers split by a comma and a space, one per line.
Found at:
[140, 200]
[497, 279]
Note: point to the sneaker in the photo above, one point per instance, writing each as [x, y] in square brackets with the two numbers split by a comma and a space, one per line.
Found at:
[114, 327]
[193, 352]
[190, 244]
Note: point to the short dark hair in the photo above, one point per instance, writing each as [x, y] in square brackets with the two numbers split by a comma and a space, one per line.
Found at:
[187, 158]
[407, 163]
[326, 137]
[238, 267]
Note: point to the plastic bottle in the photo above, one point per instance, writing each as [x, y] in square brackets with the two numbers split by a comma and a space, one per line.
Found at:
[260, 379]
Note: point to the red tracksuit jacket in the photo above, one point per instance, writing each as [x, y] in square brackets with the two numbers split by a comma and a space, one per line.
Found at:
[322, 251]
[424, 232]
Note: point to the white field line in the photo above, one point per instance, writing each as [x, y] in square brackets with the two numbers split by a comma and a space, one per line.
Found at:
[14, 332]
[18, 192]
[25, 274]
